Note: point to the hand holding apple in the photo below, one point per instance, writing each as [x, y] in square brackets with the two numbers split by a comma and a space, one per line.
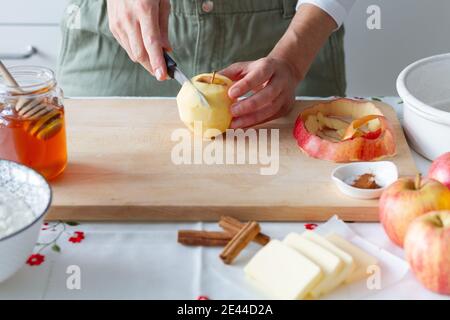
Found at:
[440, 169]
[407, 199]
[427, 249]
[273, 84]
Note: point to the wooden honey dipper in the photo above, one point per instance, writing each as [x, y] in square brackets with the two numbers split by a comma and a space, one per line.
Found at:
[48, 120]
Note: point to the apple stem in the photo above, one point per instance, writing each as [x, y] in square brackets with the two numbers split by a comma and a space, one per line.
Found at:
[418, 181]
[439, 221]
[213, 77]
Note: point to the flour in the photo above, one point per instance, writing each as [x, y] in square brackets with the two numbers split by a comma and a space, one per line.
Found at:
[14, 213]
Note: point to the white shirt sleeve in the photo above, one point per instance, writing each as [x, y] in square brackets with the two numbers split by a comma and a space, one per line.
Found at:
[337, 9]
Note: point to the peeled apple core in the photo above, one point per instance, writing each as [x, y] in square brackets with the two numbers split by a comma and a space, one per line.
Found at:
[214, 119]
[345, 130]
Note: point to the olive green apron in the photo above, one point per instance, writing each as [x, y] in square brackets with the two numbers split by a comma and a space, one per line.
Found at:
[204, 36]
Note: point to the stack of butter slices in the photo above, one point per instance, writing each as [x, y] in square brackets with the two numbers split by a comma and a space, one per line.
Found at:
[307, 265]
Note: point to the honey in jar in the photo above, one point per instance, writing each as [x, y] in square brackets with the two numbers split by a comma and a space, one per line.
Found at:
[32, 128]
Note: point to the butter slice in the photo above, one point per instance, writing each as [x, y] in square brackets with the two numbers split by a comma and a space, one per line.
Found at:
[361, 258]
[349, 263]
[329, 262]
[283, 272]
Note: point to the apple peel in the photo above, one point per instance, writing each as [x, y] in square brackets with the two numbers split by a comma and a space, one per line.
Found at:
[354, 127]
[374, 145]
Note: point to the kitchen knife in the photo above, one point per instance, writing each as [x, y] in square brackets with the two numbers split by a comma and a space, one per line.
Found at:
[174, 72]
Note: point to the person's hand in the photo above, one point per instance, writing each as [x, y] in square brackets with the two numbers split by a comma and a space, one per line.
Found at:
[272, 81]
[141, 28]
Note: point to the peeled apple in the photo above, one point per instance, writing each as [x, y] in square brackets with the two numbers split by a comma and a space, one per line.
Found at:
[217, 116]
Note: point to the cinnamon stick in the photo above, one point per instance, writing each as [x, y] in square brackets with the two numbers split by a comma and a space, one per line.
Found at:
[203, 238]
[232, 226]
[239, 241]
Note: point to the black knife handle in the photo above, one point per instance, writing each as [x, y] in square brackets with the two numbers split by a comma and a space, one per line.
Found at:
[170, 64]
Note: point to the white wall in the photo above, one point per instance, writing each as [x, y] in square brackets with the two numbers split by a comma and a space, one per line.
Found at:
[411, 30]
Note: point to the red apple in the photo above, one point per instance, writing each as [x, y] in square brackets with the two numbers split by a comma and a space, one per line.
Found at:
[440, 169]
[427, 249]
[377, 143]
[407, 199]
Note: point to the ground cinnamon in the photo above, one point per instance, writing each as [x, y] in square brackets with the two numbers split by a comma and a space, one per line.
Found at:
[366, 181]
[232, 226]
[240, 241]
[204, 238]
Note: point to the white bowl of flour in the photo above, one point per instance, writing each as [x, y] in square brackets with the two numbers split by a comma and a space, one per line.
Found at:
[25, 197]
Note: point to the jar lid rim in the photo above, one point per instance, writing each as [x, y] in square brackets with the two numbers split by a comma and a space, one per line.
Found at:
[25, 69]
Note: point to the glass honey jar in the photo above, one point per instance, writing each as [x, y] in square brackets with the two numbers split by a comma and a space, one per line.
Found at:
[32, 126]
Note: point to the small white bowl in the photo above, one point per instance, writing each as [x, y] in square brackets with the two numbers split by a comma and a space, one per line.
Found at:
[385, 173]
[32, 189]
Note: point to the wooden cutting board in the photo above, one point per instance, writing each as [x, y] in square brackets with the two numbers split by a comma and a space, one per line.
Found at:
[120, 168]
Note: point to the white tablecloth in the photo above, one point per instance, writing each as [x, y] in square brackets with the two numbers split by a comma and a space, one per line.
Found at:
[143, 260]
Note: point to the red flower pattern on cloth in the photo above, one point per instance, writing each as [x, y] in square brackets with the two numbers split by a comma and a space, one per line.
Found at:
[77, 237]
[35, 259]
[56, 230]
[310, 226]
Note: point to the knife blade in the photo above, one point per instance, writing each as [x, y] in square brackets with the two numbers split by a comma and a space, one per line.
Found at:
[174, 72]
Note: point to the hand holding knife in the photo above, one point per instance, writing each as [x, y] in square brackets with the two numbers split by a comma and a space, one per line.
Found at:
[174, 72]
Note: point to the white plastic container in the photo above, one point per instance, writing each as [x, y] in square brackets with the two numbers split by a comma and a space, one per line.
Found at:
[424, 87]
[31, 188]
